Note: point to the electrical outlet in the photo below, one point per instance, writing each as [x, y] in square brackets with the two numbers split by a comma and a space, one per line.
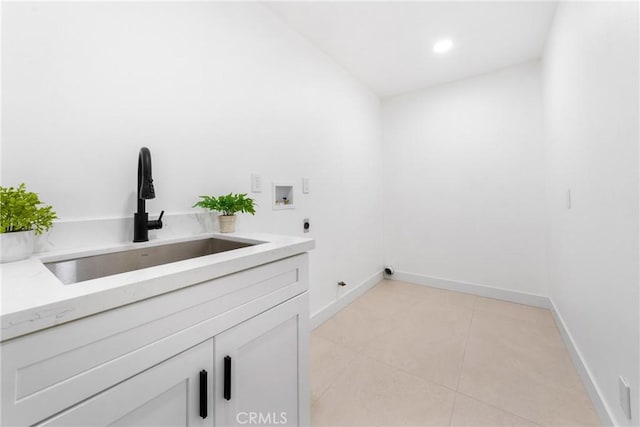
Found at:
[625, 396]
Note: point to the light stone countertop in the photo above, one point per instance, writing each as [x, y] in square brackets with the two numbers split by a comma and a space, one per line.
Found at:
[32, 298]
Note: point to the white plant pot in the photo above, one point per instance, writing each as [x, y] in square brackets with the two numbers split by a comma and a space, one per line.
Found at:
[227, 223]
[16, 246]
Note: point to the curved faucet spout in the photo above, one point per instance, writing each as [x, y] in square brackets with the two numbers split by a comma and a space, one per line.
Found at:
[141, 222]
[145, 180]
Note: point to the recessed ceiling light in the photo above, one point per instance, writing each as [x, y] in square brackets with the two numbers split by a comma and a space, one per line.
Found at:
[442, 46]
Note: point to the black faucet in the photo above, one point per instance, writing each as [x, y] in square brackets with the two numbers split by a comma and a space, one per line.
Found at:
[141, 223]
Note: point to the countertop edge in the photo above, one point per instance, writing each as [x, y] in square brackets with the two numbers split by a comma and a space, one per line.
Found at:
[109, 294]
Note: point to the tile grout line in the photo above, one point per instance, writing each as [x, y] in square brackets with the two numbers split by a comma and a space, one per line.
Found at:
[400, 369]
[359, 351]
[474, 398]
[338, 343]
[453, 408]
[362, 353]
[411, 374]
[499, 408]
[337, 376]
[369, 341]
[475, 303]
[466, 342]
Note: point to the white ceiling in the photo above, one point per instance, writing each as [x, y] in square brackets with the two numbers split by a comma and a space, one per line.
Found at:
[388, 45]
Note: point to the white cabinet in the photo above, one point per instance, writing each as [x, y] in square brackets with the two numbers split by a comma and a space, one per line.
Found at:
[168, 394]
[141, 364]
[261, 363]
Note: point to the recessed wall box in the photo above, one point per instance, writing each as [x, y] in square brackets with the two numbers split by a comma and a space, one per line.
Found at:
[283, 196]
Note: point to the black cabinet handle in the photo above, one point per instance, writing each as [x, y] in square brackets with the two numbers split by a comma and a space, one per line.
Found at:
[227, 378]
[203, 393]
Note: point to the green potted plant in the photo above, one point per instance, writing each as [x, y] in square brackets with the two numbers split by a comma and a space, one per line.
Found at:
[228, 206]
[21, 218]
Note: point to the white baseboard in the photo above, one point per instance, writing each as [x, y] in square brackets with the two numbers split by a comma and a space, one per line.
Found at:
[474, 289]
[329, 310]
[583, 370]
[490, 292]
[528, 299]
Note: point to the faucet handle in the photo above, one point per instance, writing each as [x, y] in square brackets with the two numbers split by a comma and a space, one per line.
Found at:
[156, 224]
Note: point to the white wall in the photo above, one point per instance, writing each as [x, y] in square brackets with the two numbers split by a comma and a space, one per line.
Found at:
[464, 193]
[216, 91]
[591, 106]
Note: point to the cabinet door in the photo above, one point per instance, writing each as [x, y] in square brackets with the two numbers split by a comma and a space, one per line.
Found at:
[168, 394]
[262, 368]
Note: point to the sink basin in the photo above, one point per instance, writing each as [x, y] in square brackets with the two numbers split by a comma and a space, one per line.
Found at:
[92, 267]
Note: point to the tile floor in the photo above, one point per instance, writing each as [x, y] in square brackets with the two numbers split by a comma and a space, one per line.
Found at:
[406, 354]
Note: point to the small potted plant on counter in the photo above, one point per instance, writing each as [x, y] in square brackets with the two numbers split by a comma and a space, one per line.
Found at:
[21, 218]
[228, 205]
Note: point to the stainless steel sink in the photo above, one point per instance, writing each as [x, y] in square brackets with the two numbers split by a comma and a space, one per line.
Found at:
[91, 267]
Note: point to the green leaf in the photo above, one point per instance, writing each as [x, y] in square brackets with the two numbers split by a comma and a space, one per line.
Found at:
[19, 211]
[228, 204]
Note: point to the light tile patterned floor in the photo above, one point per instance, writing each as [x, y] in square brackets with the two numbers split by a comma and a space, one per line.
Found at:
[406, 354]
